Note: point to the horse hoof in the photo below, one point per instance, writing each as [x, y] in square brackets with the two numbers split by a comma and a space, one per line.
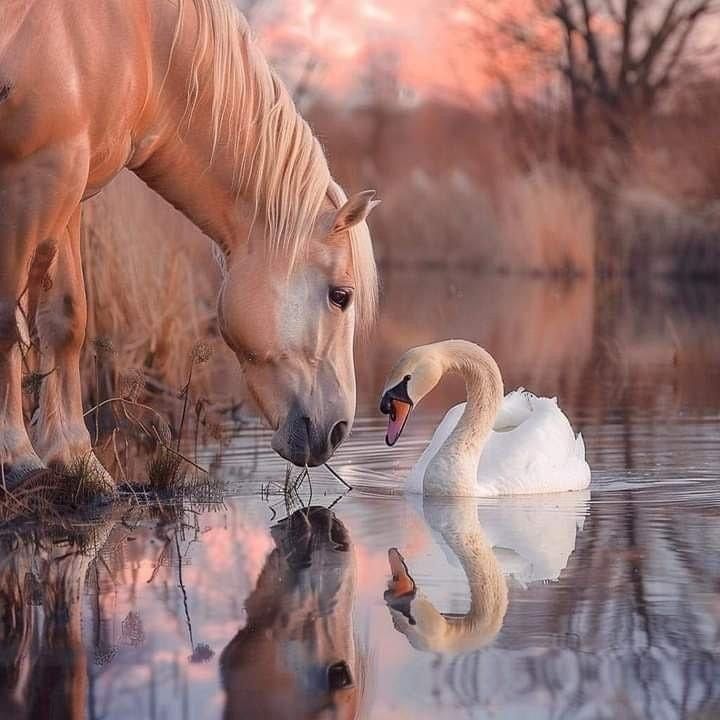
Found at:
[20, 473]
[87, 480]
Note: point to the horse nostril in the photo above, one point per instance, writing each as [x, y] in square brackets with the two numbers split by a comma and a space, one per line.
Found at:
[338, 433]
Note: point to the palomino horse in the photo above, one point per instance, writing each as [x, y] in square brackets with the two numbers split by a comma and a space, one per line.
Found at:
[298, 655]
[179, 93]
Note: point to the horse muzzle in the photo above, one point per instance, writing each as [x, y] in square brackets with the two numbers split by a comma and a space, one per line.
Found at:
[305, 441]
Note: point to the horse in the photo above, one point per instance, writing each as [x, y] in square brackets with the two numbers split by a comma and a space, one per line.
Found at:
[180, 94]
[298, 655]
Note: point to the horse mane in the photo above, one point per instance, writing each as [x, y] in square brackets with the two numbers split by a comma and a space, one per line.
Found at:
[277, 159]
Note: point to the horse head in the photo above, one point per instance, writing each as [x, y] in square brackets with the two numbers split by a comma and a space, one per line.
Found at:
[291, 318]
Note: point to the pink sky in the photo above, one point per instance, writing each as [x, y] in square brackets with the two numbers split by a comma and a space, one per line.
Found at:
[426, 41]
[432, 46]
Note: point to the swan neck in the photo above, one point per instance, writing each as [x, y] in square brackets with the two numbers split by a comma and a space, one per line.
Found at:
[488, 589]
[484, 391]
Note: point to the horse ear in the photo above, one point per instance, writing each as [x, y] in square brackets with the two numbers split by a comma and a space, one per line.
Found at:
[354, 211]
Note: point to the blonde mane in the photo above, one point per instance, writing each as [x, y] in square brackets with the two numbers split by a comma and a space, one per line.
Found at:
[277, 160]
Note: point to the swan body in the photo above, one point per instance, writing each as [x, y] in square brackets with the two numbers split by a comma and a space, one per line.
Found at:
[490, 445]
[534, 450]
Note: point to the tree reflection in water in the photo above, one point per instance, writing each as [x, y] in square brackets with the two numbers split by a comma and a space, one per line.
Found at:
[631, 631]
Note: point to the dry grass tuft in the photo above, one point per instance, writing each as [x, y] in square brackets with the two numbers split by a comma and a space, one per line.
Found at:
[663, 235]
[166, 472]
[152, 285]
[54, 493]
[547, 223]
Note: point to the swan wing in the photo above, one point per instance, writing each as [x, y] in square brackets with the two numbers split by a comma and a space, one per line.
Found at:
[515, 409]
[541, 454]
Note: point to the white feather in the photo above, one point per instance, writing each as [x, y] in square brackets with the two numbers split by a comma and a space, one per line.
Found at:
[532, 449]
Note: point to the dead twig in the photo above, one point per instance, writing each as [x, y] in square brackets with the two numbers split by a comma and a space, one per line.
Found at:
[338, 476]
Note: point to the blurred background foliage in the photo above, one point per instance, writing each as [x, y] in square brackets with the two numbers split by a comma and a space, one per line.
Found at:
[567, 144]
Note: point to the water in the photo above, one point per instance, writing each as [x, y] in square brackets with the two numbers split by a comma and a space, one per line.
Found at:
[601, 604]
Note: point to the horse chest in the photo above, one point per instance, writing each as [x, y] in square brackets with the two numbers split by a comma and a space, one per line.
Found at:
[105, 163]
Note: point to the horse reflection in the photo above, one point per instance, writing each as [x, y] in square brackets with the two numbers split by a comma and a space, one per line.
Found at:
[43, 671]
[297, 655]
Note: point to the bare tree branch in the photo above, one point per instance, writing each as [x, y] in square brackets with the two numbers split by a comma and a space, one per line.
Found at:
[674, 57]
[613, 12]
[593, 52]
[622, 56]
[658, 38]
[626, 60]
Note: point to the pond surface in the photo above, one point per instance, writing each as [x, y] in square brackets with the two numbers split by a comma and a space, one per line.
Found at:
[599, 604]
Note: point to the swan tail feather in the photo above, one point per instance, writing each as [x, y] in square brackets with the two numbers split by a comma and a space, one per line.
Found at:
[580, 446]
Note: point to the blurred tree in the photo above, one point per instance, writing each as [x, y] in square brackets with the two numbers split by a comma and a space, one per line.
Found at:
[620, 57]
[247, 6]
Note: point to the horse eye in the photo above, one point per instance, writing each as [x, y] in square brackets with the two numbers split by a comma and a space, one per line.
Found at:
[340, 297]
[339, 676]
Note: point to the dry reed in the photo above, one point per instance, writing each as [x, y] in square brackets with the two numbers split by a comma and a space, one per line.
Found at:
[151, 284]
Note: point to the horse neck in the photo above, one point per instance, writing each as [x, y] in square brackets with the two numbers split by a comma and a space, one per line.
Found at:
[484, 390]
[198, 156]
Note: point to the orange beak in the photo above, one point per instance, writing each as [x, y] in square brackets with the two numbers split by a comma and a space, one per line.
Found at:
[399, 413]
[401, 583]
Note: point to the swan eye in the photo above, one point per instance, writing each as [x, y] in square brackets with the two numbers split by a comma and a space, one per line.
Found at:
[340, 297]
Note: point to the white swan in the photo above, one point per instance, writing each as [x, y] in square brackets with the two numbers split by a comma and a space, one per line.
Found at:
[509, 540]
[489, 445]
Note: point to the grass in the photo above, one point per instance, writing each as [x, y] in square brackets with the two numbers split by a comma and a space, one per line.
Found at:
[547, 221]
[141, 449]
[153, 313]
[54, 493]
[518, 189]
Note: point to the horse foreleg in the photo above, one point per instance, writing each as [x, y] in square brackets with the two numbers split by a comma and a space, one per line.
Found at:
[20, 230]
[18, 460]
[60, 435]
[39, 194]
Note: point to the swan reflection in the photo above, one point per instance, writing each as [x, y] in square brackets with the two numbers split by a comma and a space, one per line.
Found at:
[297, 655]
[512, 541]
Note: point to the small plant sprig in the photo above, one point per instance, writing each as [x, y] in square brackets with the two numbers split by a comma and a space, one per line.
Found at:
[104, 348]
[290, 489]
[31, 386]
[200, 354]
